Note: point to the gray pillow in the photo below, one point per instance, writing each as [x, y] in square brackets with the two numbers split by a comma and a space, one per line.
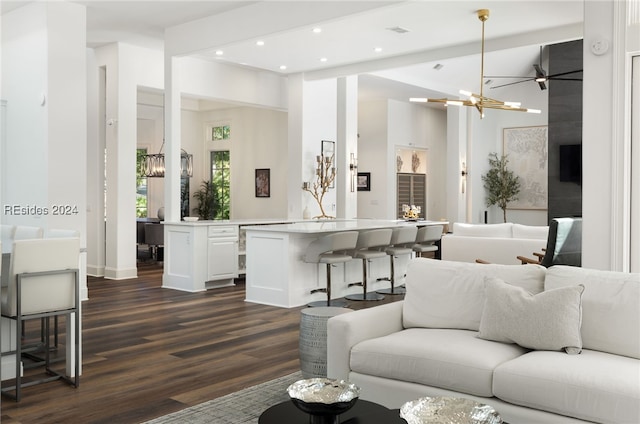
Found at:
[549, 320]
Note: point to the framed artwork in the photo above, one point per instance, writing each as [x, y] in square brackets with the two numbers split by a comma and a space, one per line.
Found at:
[364, 181]
[263, 182]
[527, 152]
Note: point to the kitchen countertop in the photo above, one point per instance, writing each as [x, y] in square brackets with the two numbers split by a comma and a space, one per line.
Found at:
[328, 226]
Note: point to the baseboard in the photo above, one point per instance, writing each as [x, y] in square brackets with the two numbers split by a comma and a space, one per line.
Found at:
[120, 274]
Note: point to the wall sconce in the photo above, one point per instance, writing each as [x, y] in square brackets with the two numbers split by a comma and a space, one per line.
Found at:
[464, 174]
[353, 167]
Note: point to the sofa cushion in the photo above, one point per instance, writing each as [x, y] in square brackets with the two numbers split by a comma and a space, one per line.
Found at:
[530, 231]
[448, 294]
[546, 321]
[482, 230]
[610, 307]
[450, 359]
[593, 386]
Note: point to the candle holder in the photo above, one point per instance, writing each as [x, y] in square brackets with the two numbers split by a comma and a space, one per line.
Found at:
[325, 174]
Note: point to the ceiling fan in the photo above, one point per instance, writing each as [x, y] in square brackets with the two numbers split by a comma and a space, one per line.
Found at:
[541, 76]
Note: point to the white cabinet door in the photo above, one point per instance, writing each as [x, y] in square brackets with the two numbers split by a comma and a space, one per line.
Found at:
[222, 258]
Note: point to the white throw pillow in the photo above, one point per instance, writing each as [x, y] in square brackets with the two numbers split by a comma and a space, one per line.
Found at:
[546, 321]
[610, 307]
[449, 294]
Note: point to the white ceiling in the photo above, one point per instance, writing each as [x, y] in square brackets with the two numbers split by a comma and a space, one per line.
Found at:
[447, 32]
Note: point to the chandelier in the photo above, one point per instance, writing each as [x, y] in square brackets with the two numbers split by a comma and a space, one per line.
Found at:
[478, 101]
[153, 164]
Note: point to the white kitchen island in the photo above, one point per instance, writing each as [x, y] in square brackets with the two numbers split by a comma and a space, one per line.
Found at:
[202, 255]
[277, 275]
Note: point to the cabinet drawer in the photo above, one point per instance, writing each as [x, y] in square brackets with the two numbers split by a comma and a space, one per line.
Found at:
[222, 231]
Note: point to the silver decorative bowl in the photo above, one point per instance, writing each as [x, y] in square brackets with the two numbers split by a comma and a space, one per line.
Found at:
[323, 399]
[448, 410]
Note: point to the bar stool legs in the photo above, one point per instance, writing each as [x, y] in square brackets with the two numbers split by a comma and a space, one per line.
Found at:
[365, 278]
[393, 290]
[329, 302]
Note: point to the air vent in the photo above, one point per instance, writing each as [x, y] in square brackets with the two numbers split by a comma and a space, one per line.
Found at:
[398, 29]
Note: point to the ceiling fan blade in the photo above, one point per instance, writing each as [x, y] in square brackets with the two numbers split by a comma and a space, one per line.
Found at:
[540, 73]
[507, 76]
[512, 83]
[564, 73]
[566, 79]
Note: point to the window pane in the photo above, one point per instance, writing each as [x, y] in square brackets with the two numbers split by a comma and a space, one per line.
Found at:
[141, 185]
[220, 180]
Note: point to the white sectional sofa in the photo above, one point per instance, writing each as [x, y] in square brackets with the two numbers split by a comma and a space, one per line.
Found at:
[504, 335]
[495, 243]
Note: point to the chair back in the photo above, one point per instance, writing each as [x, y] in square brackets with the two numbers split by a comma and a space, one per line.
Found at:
[154, 234]
[7, 232]
[58, 233]
[429, 233]
[48, 289]
[403, 236]
[24, 232]
[564, 245]
[334, 242]
[371, 239]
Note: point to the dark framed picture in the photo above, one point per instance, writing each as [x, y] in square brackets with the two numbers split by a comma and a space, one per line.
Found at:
[263, 182]
[364, 181]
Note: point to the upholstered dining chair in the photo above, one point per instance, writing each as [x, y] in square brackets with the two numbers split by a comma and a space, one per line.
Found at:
[43, 282]
[24, 232]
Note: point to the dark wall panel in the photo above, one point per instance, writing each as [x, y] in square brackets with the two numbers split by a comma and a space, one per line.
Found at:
[565, 128]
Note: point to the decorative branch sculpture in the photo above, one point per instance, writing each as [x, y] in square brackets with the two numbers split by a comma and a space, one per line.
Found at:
[325, 175]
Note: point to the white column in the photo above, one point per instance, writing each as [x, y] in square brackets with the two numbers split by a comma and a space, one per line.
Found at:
[172, 120]
[347, 144]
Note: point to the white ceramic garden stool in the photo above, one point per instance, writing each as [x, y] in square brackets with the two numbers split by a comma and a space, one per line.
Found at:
[313, 339]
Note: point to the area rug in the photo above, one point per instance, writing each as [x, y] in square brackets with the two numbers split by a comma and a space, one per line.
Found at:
[241, 407]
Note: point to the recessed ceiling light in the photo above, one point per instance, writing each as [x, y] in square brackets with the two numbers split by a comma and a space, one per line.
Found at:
[317, 30]
[259, 43]
[283, 67]
[377, 49]
[323, 59]
[219, 52]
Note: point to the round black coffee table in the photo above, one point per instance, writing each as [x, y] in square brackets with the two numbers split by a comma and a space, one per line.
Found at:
[363, 412]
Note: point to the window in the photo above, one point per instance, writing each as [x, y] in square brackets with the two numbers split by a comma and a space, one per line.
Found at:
[220, 180]
[222, 132]
[141, 185]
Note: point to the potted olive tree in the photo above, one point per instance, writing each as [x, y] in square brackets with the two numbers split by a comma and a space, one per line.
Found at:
[502, 185]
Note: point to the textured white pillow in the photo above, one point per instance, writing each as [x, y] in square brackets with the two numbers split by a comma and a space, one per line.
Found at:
[546, 321]
[449, 294]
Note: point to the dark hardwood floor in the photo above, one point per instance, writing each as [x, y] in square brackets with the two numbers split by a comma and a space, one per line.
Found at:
[149, 351]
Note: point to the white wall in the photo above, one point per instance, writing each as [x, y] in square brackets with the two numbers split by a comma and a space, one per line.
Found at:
[372, 151]
[44, 84]
[385, 126]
